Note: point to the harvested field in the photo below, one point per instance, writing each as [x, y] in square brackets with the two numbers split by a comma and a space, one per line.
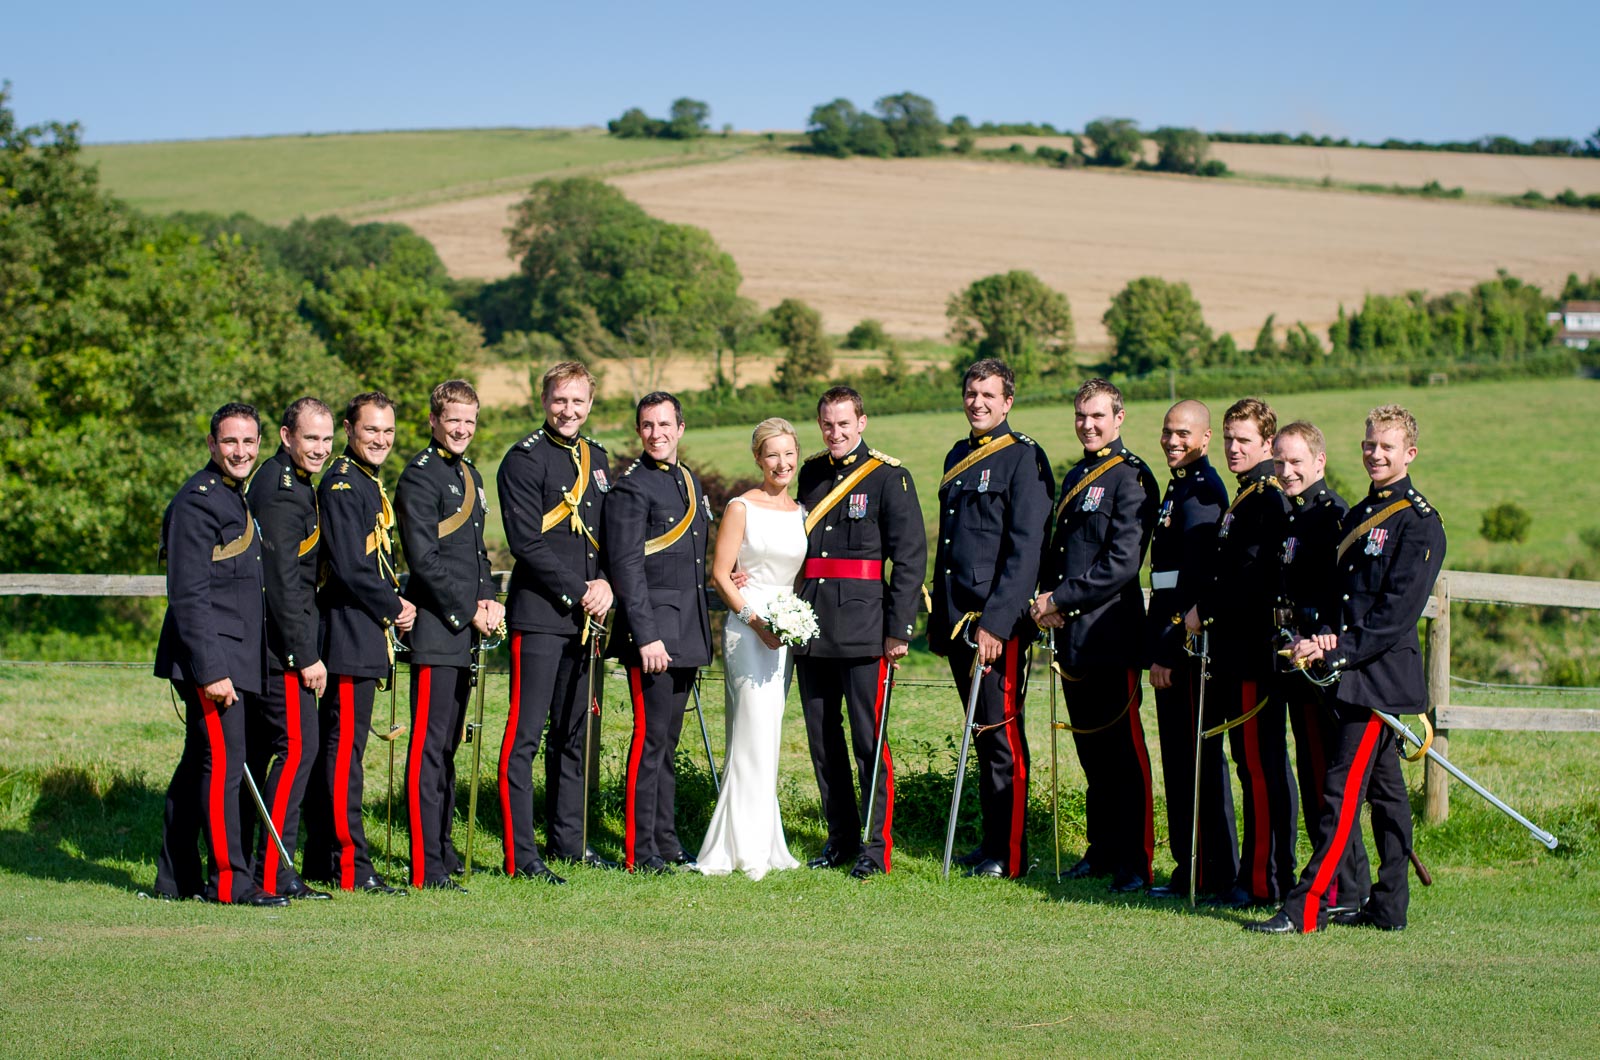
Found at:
[892, 240]
[1486, 174]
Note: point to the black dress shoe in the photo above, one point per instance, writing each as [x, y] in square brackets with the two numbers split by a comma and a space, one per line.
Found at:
[972, 857]
[445, 884]
[541, 872]
[653, 866]
[1362, 918]
[865, 868]
[377, 885]
[1126, 884]
[1168, 891]
[1278, 925]
[1232, 898]
[832, 858]
[988, 868]
[684, 858]
[262, 899]
[167, 896]
[1083, 870]
[307, 893]
[595, 861]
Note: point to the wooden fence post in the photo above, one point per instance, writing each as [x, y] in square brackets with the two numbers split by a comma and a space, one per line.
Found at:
[1435, 781]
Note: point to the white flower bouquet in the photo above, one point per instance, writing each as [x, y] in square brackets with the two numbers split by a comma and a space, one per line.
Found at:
[791, 619]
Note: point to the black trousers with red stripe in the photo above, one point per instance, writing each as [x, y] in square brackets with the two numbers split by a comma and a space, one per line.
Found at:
[1178, 717]
[203, 800]
[439, 696]
[1116, 763]
[859, 685]
[1364, 766]
[1002, 750]
[549, 681]
[650, 808]
[281, 749]
[1260, 750]
[336, 840]
[1315, 736]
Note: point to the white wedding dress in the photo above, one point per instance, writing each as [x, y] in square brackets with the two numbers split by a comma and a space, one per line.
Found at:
[746, 830]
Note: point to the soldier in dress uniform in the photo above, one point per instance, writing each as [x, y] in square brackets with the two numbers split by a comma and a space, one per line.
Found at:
[440, 504]
[994, 507]
[361, 604]
[1091, 597]
[1308, 602]
[656, 519]
[1182, 549]
[213, 648]
[283, 719]
[1237, 607]
[861, 512]
[553, 484]
[1388, 559]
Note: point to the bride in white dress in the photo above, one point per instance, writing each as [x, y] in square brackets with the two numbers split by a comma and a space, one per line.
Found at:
[763, 535]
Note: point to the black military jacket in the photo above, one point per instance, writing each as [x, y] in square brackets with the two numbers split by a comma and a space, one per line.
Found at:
[1091, 565]
[661, 596]
[360, 594]
[993, 517]
[877, 520]
[552, 567]
[1237, 604]
[215, 625]
[1385, 575]
[284, 502]
[440, 504]
[1183, 544]
[1308, 586]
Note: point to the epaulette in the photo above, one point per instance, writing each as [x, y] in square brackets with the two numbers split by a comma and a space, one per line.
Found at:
[467, 460]
[286, 480]
[1420, 504]
[1024, 438]
[594, 443]
[342, 467]
[531, 440]
[882, 458]
[422, 458]
[205, 486]
[1129, 457]
[818, 455]
[632, 466]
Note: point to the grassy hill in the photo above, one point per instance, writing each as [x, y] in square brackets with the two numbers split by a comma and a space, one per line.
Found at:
[278, 178]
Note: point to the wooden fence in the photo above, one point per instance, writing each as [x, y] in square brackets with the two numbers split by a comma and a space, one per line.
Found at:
[1452, 587]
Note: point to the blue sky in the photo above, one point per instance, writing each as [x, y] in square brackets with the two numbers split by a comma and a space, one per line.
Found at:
[1365, 70]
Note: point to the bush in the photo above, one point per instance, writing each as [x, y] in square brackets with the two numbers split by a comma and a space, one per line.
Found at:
[1213, 167]
[1116, 141]
[1180, 150]
[1505, 522]
[1155, 325]
[867, 335]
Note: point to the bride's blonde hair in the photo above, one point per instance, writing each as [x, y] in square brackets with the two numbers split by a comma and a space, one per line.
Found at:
[772, 427]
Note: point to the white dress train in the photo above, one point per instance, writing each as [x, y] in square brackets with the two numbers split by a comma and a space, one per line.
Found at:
[746, 830]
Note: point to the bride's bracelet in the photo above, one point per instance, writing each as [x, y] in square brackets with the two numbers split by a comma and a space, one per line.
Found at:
[746, 613]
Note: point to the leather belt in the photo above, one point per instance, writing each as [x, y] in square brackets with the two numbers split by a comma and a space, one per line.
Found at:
[866, 569]
[1163, 579]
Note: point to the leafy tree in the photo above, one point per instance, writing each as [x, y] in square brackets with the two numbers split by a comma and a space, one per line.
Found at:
[798, 328]
[1300, 344]
[1577, 290]
[690, 118]
[870, 136]
[316, 249]
[1014, 316]
[634, 124]
[1224, 352]
[960, 125]
[1180, 150]
[1507, 521]
[1155, 324]
[912, 122]
[1266, 347]
[831, 128]
[867, 335]
[1116, 141]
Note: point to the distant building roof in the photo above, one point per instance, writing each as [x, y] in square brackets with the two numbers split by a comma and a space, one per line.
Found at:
[1581, 307]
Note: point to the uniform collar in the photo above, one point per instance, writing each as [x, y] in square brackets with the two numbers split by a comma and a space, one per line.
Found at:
[227, 479]
[1316, 493]
[1091, 455]
[999, 430]
[1260, 473]
[552, 435]
[444, 454]
[287, 459]
[1401, 487]
[850, 458]
[355, 458]
[659, 465]
[1193, 468]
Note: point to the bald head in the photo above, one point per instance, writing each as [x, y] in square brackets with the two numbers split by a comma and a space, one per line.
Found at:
[1186, 432]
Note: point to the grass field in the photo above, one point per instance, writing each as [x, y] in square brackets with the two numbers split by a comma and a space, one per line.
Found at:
[1498, 959]
[1469, 457]
[279, 178]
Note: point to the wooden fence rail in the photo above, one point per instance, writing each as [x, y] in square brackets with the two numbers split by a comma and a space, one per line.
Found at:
[1451, 588]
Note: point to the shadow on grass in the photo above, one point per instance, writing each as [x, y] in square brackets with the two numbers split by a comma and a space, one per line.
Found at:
[84, 824]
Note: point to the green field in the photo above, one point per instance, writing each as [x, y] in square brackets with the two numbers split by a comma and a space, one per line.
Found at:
[279, 178]
[1499, 956]
[1467, 460]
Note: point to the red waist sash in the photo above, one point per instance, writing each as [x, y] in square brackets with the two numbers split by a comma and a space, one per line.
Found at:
[869, 569]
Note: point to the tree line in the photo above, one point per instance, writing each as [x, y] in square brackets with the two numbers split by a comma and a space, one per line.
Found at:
[1550, 146]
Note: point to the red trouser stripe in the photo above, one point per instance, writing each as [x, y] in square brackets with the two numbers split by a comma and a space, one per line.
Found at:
[1261, 819]
[1136, 734]
[888, 766]
[506, 744]
[1312, 728]
[217, 797]
[419, 738]
[287, 769]
[1349, 806]
[635, 752]
[341, 783]
[1019, 769]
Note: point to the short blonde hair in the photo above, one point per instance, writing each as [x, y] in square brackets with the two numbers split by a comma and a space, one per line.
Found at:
[565, 372]
[1307, 432]
[772, 427]
[1387, 417]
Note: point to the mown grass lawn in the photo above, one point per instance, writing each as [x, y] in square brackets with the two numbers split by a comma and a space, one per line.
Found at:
[1501, 955]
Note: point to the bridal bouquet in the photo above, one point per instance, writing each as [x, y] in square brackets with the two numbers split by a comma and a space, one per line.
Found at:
[791, 619]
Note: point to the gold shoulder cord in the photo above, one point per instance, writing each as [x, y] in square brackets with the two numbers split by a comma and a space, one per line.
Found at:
[571, 499]
[670, 538]
[837, 494]
[1083, 482]
[981, 453]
